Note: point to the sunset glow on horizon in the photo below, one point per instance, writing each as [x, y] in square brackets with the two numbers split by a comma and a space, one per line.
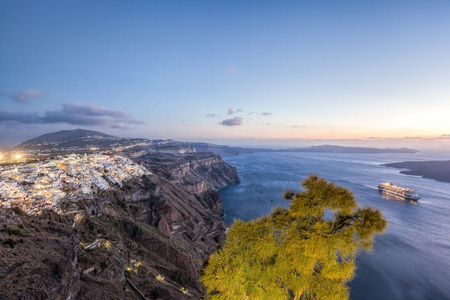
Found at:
[236, 71]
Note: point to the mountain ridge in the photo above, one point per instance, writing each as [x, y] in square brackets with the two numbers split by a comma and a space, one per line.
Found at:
[64, 136]
[80, 137]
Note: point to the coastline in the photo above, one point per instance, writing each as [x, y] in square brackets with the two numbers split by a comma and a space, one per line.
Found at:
[438, 170]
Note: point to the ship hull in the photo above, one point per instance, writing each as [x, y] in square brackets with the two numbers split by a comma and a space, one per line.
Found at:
[398, 195]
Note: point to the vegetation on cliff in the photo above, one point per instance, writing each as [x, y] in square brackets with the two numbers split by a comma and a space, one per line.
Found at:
[296, 253]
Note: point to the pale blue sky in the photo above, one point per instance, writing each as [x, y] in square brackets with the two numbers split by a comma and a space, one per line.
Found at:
[296, 69]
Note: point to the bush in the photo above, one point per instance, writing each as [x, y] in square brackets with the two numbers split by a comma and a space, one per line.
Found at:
[9, 242]
[18, 211]
[103, 265]
[15, 231]
[83, 258]
[129, 274]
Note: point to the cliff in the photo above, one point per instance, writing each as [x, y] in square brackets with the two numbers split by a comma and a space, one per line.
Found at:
[38, 257]
[168, 222]
[195, 172]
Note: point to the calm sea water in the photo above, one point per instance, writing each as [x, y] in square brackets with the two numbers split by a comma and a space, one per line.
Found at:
[410, 261]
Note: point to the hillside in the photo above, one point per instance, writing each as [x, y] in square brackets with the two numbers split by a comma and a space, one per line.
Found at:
[64, 136]
[166, 224]
[437, 170]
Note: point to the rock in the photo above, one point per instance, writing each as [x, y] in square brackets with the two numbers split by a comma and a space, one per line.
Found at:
[169, 222]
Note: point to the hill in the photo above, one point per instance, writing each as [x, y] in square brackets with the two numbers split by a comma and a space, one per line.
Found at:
[437, 170]
[65, 136]
[342, 149]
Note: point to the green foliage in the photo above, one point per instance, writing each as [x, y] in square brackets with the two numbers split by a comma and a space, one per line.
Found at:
[84, 258]
[17, 210]
[129, 274]
[15, 231]
[295, 253]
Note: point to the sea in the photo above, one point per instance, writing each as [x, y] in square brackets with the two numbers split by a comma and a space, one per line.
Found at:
[411, 260]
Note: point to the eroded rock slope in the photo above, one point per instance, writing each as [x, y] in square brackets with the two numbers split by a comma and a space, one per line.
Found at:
[168, 222]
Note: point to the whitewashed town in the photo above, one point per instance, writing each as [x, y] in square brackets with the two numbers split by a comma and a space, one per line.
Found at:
[44, 185]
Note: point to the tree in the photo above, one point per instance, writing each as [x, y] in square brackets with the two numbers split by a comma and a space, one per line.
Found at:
[295, 253]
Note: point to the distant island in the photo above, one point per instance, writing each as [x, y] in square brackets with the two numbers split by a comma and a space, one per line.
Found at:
[233, 151]
[437, 169]
[342, 149]
[81, 139]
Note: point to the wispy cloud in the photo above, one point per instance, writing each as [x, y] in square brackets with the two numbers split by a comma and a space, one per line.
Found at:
[120, 126]
[92, 110]
[231, 111]
[212, 115]
[265, 113]
[75, 114]
[23, 96]
[236, 121]
[301, 126]
[233, 69]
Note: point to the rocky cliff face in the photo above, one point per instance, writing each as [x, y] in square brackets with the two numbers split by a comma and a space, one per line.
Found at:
[38, 257]
[169, 222]
[196, 172]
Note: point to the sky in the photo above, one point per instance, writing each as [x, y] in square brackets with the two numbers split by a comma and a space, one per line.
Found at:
[236, 72]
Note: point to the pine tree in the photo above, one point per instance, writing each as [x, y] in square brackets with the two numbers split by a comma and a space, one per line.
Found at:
[295, 253]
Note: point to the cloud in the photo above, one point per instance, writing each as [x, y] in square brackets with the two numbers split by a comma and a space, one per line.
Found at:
[265, 113]
[233, 69]
[236, 121]
[24, 118]
[120, 126]
[92, 110]
[301, 126]
[231, 111]
[26, 95]
[212, 115]
[75, 114]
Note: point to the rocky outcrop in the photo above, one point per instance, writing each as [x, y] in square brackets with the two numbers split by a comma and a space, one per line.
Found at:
[196, 172]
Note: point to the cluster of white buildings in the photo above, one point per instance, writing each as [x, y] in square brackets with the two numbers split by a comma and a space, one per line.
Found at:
[44, 185]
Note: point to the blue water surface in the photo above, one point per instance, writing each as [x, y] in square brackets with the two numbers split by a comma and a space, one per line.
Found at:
[410, 261]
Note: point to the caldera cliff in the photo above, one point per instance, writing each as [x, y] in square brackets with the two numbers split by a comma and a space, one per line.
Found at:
[167, 223]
